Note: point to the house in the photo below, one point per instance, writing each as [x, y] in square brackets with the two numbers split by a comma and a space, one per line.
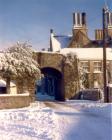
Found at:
[60, 66]
[89, 52]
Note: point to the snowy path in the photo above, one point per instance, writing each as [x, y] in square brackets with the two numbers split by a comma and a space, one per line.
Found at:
[71, 120]
[82, 121]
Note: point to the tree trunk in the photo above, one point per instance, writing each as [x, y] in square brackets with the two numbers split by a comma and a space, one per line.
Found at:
[25, 87]
[8, 85]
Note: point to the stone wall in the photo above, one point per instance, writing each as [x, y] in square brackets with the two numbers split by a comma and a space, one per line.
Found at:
[26, 85]
[90, 94]
[71, 76]
[23, 97]
[15, 101]
[48, 59]
[68, 67]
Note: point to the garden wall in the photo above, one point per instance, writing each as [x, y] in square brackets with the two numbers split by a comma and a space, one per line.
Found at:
[9, 101]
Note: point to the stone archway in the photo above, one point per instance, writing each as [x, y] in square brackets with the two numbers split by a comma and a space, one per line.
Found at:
[52, 83]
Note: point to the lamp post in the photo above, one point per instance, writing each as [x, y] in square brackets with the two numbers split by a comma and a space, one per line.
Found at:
[105, 35]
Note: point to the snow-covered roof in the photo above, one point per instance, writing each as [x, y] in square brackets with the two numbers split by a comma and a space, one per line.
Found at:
[3, 83]
[59, 42]
[56, 46]
[63, 40]
[88, 53]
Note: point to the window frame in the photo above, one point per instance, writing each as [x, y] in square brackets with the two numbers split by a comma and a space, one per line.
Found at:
[98, 66]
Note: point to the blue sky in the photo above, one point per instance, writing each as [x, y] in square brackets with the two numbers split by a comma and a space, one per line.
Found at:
[31, 20]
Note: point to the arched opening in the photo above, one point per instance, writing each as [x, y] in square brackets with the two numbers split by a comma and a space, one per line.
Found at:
[51, 83]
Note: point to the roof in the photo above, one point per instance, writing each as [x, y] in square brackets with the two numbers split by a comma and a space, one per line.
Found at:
[64, 40]
[60, 41]
[88, 53]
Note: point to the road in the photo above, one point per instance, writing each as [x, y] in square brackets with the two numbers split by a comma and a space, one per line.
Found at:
[81, 121]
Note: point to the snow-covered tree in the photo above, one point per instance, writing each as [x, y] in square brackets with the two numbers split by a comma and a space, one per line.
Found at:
[83, 75]
[83, 78]
[18, 62]
[70, 59]
[71, 77]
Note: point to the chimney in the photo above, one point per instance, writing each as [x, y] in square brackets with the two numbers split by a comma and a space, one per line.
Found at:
[109, 18]
[79, 20]
[51, 31]
[79, 23]
[51, 34]
[109, 22]
[84, 19]
[99, 34]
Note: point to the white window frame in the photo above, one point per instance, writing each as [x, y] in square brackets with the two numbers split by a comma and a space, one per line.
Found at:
[97, 66]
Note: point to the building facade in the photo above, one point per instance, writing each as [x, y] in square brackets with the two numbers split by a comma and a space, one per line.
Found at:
[89, 52]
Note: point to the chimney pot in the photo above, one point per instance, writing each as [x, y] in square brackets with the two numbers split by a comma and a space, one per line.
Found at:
[51, 31]
[83, 18]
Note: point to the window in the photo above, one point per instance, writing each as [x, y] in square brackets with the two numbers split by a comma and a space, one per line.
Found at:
[85, 65]
[97, 66]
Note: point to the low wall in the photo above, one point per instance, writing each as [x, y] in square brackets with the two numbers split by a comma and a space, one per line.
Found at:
[8, 101]
[90, 94]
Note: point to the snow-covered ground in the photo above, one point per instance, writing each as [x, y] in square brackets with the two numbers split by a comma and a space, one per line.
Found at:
[71, 120]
